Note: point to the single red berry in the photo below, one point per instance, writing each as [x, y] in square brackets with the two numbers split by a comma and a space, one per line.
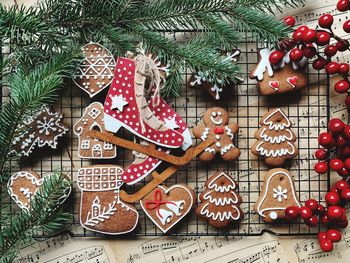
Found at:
[321, 167]
[309, 52]
[334, 212]
[342, 45]
[296, 54]
[336, 125]
[326, 140]
[343, 172]
[319, 63]
[297, 35]
[347, 131]
[321, 235]
[336, 164]
[330, 50]
[326, 245]
[305, 212]
[332, 198]
[302, 28]
[342, 218]
[345, 194]
[344, 151]
[343, 224]
[342, 185]
[344, 68]
[321, 154]
[323, 38]
[325, 219]
[340, 140]
[312, 204]
[276, 57]
[346, 26]
[326, 21]
[333, 189]
[332, 68]
[343, 5]
[289, 21]
[320, 209]
[341, 86]
[347, 163]
[312, 221]
[309, 36]
[292, 212]
[333, 235]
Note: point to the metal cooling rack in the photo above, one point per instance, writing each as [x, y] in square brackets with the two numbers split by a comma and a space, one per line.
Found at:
[308, 110]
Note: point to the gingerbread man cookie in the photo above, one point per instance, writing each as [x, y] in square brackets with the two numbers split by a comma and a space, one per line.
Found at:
[275, 139]
[216, 125]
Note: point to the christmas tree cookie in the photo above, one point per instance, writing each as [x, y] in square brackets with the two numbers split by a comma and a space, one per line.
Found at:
[219, 201]
[277, 194]
[275, 139]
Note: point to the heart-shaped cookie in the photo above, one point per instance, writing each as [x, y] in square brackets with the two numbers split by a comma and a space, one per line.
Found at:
[167, 206]
[23, 185]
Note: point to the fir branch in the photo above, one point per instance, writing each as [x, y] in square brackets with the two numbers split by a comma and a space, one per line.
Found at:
[43, 212]
[171, 86]
[269, 5]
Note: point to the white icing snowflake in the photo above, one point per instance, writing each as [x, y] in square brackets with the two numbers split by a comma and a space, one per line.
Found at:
[280, 193]
[200, 77]
[45, 125]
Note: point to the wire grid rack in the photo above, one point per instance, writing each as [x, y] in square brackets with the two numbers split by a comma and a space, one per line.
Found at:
[308, 110]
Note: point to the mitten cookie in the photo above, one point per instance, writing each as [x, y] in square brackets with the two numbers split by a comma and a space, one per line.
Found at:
[275, 139]
[220, 202]
[283, 77]
[22, 187]
[101, 209]
[89, 147]
[167, 206]
[213, 86]
[276, 195]
[95, 71]
[216, 126]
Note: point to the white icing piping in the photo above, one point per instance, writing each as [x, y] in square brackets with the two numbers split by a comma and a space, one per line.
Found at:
[229, 132]
[222, 188]
[205, 134]
[277, 126]
[276, 139]
[227, 148]
[221, 216]
[279, 152]
[220, 201]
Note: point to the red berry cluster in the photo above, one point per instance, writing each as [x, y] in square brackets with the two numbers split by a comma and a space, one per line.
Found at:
[305, 40]
[335, 153]
[333, 216]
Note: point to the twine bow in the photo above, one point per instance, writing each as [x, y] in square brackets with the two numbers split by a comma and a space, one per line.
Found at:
[157, 202]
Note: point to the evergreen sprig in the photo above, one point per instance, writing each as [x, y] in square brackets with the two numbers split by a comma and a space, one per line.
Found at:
[44, 215]
[122, 24]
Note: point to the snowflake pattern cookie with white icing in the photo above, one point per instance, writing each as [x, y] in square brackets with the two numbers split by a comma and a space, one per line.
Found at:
[287, 76]
[276, 195]
[44, 128]
[216, 125]
[275, 139]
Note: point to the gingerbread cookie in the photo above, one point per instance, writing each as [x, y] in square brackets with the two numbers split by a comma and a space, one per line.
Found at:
[101, 209]
[275, 79]
[220, 202]
[44, 128]
[166, 206]
[22, 187]
[213, 86]
[216, 126]
[96, 70]
[275, 139]
[92, 148]
[276, 195]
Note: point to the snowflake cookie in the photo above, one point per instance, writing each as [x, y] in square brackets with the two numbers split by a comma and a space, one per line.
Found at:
[44, 128]
[216, 125]
[276, 195]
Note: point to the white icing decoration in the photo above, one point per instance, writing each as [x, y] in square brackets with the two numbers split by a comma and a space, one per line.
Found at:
[271, 84]
[275, 153]
[222, 188]
[273, 215]
[277, 126]
[214, 115]
[229, 132]
[290, 79]
[45, 126]
[227, 148]
[93, 219]
[261, 211]
[218, 144]
[280, 193]
[217, 91]
[205, 134]
[276, 139]
[26, 192]
[221, 216]
[221, 201]
[211, 150]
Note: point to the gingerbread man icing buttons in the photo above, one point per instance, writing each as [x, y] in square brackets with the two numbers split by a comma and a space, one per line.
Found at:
[95, 72]
[216, 125]
[166, 206]
[219, 201]
[275, 139]
[287, 76]
[276, 195]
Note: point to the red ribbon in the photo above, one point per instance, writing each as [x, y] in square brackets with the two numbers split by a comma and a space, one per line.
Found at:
[219, 130]
[155, 204]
